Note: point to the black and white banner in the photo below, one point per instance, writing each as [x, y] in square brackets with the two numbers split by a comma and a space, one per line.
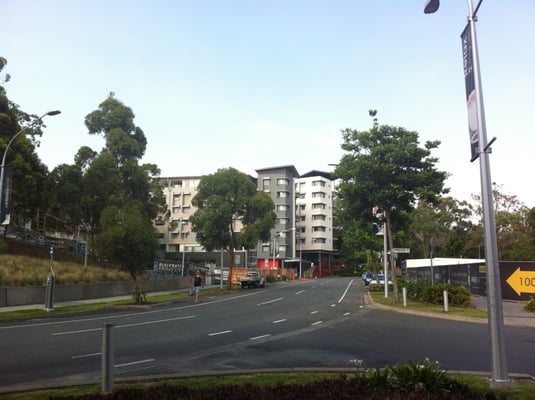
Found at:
[471, 93]
[6, 195]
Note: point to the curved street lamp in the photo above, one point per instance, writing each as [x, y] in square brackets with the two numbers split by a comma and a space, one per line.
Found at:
[481, 148]
[5, 199]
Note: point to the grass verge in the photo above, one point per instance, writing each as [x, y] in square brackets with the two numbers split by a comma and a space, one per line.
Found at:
[516, 390]
[469, 312]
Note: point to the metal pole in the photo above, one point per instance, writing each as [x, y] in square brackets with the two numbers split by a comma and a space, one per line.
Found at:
[2, 167]
[385, 259]
[221, 273]
[494, 295]
[107, 357]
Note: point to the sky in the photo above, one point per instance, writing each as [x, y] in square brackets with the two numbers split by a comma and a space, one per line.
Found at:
[253, 84]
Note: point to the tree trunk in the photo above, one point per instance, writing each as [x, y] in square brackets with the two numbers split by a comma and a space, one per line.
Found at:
[395, 295]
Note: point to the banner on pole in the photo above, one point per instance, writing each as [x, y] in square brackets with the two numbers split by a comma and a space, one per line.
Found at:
[6, 195]
[471, 93]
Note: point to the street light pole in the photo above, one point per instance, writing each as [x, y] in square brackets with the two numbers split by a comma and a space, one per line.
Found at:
[494, 295]
[5, 199]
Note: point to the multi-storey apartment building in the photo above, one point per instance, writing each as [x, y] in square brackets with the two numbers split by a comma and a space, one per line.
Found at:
[304, 229]
[278, 182]
[174, 230]
[302, 237]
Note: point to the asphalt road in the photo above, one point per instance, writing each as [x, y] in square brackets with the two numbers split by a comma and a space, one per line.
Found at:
[311, 324]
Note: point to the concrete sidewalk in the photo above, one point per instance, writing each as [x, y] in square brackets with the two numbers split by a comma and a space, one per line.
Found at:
[513, 312]
[86, 301]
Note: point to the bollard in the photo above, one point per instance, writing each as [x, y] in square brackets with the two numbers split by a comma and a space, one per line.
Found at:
[405, 297]
[445, 294]
[107, 357]
[49, 292]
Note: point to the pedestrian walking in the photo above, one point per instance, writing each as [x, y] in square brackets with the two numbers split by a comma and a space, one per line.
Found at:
[198, 283]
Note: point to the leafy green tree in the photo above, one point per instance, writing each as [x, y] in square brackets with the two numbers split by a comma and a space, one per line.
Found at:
[386, 167]
[29, 174]
[437, 224]
[514, 232]
[128, 238]
[110, 194]
[225, 199]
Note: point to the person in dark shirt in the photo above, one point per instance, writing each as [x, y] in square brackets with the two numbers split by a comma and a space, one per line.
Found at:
[197, 285]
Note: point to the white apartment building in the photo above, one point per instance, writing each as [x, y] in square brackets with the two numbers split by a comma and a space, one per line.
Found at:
[304, 227]
[174, 229]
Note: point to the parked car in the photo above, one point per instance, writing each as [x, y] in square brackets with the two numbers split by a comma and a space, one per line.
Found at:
[380, 280]
[367, 277]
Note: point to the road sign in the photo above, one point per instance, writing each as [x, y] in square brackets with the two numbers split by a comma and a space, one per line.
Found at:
[522, 281]
[402, 250]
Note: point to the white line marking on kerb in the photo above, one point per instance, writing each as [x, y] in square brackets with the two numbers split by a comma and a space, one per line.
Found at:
[279, 321]
[316, 323]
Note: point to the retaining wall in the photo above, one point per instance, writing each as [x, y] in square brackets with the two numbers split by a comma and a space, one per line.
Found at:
[11, 296]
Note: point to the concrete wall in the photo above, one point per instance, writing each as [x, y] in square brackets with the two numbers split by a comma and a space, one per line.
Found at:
[16, 296]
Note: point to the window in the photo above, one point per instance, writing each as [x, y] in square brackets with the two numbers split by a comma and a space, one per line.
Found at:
[318, 183]
[318, 206]
[282, 195]
[319, 194]
[265, 247]
[319, 240]
[319, 229]
[318, 218]
[266, 182]
[160, 222]
[301, 218]
[282, 207]
[283, 181]
[282, 221]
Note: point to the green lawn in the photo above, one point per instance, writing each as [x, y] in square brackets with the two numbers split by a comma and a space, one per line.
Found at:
[471, 312]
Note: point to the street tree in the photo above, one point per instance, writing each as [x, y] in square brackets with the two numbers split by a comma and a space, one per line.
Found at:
[28, 172]
[127, 237]
[435, 227]
[226, 200]
[513, 228]
[386, 167]
[115, 198]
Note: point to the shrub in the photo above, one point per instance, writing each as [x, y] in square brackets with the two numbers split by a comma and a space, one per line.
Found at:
[426, 377]
[270, 279]
[422, 290]
[530, 306]
[416, 287]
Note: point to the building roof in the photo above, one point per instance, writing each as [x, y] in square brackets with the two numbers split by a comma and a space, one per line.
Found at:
[291, 168]
[314, 172]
